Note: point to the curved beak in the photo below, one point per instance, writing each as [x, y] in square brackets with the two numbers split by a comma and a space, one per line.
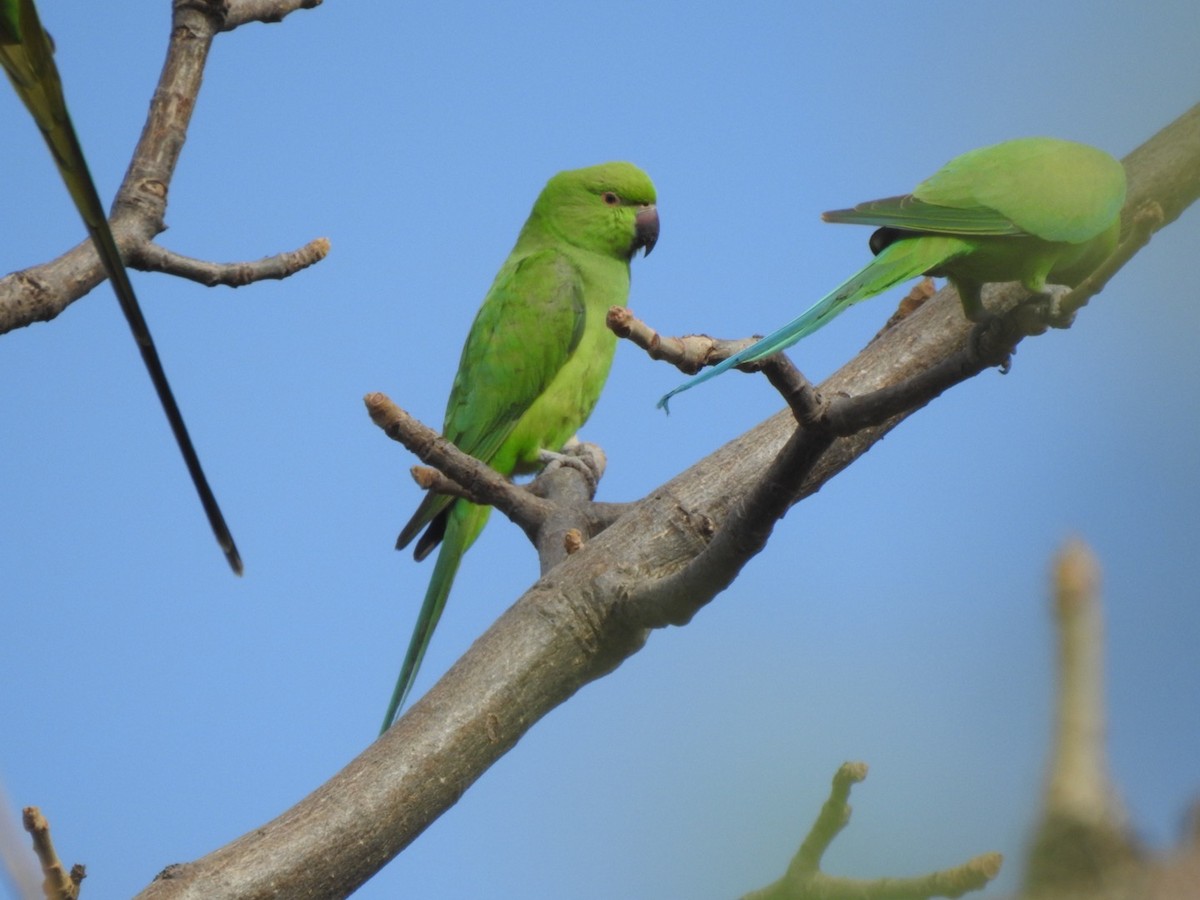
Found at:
[645, 234]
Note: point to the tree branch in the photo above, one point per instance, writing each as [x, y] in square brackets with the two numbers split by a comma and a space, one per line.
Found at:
[1083, 847]
[152, 257]
[58, 884]
[577, 623]
[804, 879]
[242, 12]
[1082, 840]
[468, 477]
[42, 292]
[555, 511]
[693, 352]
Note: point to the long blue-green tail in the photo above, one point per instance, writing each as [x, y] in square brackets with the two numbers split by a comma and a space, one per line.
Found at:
[899, 261]
[465, 522]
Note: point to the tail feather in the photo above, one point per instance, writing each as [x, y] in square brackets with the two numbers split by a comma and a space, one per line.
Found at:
[463, 525]
[27, 55]
[899, 261]
[432, 507]
[433, 535]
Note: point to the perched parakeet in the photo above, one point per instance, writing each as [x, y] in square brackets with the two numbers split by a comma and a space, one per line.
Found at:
[27, 54]
[536, 357]
[1035, 210]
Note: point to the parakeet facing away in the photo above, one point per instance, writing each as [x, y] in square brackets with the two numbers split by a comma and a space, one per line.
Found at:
[1035, 210]
[27, 54]
[536, 357]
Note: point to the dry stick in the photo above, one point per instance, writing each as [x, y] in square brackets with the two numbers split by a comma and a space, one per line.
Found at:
[804, 879]
[268, 11]
[692, 352]
[58, 884]
[575, 624]
[152, 257]
[834, 816]
[461, 474]
[430, 479]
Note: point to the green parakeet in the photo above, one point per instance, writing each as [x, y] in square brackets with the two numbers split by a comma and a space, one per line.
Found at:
[536, 357]
[27, 54]
[1035, 210]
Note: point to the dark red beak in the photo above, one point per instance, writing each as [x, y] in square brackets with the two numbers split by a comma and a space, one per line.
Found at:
[645, 230]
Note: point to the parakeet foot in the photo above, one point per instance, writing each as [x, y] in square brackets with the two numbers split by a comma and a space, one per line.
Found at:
[988, 343]
[1048, 305]
[586, 459]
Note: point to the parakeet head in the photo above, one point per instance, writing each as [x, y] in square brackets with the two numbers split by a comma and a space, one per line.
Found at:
[607, 208]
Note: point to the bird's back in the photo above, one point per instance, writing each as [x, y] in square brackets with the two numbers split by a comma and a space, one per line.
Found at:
[1053, 189]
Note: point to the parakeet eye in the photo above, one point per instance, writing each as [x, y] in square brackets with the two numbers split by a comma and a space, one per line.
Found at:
[610, 198]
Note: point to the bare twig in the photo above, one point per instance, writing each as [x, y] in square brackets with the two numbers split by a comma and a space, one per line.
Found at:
[59, 885]
[689, 353]
[834, 816]
[1146, 220]
[152, 257]
[802, 398]
[462, 474]
[430, 479]
[270, 11]
[693, 352]
[804, 879]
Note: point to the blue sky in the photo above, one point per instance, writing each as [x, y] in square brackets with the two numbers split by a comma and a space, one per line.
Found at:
[156, 707]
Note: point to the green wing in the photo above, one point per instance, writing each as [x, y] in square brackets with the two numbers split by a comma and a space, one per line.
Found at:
[27, 55]
[528, 326]
[525, 331]
[1053, 189]
[909, 213]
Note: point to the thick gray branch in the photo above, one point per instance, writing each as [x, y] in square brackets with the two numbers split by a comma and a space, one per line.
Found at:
[576, 623]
